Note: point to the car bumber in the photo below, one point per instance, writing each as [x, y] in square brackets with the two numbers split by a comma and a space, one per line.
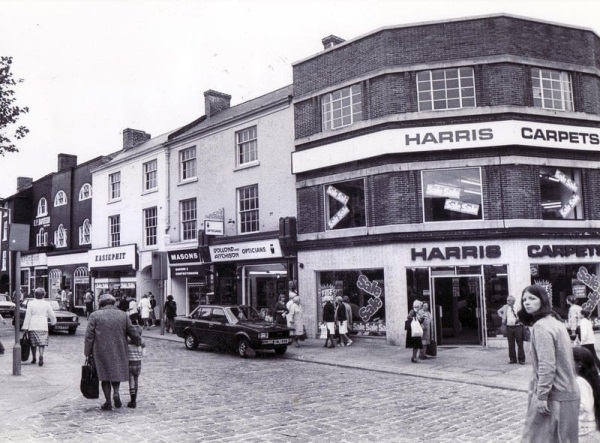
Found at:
[65, 320]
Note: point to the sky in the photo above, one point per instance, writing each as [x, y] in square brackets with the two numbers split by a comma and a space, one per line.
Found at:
[93, 68]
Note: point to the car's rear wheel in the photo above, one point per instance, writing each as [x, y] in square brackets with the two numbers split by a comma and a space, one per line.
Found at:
[281, 350]
[191, 342]
[244, 348]
[72, 330]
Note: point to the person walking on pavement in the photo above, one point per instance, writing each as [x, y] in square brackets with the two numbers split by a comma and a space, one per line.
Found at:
[152, 307]
[514, 331]
[170, 314]
[145, 310]
[426, 339]
[414, 343]
[574, 317]
[553, 409]
[329, 319]
[297, 321]
[39, 312]
[349, 317]
[280, 311]
[132, 311]
[134, 353]
[342, 322]
[588, 382]
[124, 303]
[106, 340]
[88, 299]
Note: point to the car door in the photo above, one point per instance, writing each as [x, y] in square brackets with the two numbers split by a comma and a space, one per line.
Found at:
[220, 329]
[200, 324]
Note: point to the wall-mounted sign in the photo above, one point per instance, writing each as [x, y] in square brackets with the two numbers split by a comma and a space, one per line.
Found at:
[456, 252]
[111, 257]
[187, 271]
[42, 221]
[338, 195]
[252, 250]
[214, 227]
[553, 251]
[180, 256]
[31, 260]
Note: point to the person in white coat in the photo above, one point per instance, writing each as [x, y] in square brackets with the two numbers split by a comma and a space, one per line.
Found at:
[145, 307]
[296, 316]
[38, 313]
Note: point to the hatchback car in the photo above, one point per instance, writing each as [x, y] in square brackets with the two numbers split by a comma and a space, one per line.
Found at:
[65, 319]
[7, 307]
[238, 328]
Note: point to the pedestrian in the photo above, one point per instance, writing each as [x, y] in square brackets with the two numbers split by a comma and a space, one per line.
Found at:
[297, 321]
[280, 311]
[38, 313]
[426, 339]
[134, 352]
[152, 306]
[342, 322]
[574, 317]
[106, 339]
[349, 316]
[170, 314]
[144, 308]
[588, 381]
[1, 345]
[329, 319]
[88, 299]
[514, 331]
[288, 306]
[553, 407]
[123, 303]
[414, 343]
[587, 335]
[132, 310]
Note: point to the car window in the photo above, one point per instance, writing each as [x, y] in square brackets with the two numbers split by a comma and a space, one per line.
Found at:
[250, 313]
[218, 315]
[205, 313]
[54, 304]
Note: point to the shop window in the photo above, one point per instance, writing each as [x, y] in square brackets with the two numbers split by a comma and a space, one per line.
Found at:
[452, 195]
[496, 292]
[114, 230]
[85, 233]
[560, 194]
[345, 205]
[248, 209]
[42, 208]
[552, 89]
[247, 146]
[114, 190]
[187, 211]
[366, 291]
[187, 164]
[60, 199]
[60, 237]
[150, 175]
[4, 260]
[342, 107]
[446, 89]
[150, 226]
[85, 192]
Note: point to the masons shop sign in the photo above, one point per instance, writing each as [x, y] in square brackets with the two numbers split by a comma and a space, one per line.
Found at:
[253, 250]
[433, 138]
[183, 256]
[111, 257]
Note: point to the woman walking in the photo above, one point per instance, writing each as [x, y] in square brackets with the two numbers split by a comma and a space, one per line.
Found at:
[106, 339]
[38, 313]
[415, 343]
[297, 322]
[552, 413]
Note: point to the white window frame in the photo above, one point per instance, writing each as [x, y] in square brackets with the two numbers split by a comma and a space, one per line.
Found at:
[247, 146]
[60, 237]
[552, 89]
[5, 230]
[42, 208]
[151, 226]
[41, 238]
[4, 260]
[114, 186]
[60, 199]
[342, 107]
[85, 232]
[248, 209]
[188, 217]
[187, 164]
[150, 177]
[114, 230]
[85, 193]
[443, 89]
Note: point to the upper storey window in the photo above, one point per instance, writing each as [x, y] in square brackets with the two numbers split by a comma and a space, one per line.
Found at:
[552, 89]
[342, 107]
[60, 199]
[150, 175]
[452, 195]
[85, 192]
[187, 164]
[114, 186]
[345, 205]
[42, 208]
[446, 89]
[560, 194]
[247, 146]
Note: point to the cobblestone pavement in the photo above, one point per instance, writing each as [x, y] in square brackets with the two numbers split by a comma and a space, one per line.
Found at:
[194, 396]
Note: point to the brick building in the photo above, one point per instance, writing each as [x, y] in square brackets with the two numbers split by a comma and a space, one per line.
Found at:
[453, 162]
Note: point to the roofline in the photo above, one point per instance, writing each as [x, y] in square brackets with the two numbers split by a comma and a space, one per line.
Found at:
[441, 21]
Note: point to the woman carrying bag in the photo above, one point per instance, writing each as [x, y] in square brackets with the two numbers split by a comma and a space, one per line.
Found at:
[414, 330]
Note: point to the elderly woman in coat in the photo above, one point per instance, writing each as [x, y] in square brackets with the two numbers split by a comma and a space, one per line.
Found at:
[39, 312]
[106, 339]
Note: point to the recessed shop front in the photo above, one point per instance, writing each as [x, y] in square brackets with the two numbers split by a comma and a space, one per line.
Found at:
[113, 271]
[191, 279]
[34, 273]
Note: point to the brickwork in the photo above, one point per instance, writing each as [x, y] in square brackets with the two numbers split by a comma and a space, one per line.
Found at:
[310, 212]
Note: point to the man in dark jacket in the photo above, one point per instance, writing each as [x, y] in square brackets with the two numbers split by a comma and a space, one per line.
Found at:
[329, 319]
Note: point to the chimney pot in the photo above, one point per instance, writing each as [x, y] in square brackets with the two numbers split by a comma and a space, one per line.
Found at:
[24, 183]
[134, 137]
[331, 41]
[66, 161]
[215, 102]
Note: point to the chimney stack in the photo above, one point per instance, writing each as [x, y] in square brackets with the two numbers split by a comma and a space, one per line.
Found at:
[215, 102]
[134, 137]
[24, 183]
[331, 41]
[66, 161]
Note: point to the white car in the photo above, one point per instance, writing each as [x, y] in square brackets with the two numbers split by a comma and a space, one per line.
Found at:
[7, 307]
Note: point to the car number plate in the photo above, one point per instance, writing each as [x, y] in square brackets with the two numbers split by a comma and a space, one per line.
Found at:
[61, 327]
[281, 341]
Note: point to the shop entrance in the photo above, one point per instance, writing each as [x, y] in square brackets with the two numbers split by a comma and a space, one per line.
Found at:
[457, 306]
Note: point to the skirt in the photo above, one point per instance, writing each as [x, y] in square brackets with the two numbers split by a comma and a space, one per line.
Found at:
[561, 425]
[38, 338]
[343, 326]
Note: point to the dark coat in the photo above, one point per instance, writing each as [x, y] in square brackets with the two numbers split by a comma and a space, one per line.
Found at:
[106, 338]
[341, 312]
[328, 312]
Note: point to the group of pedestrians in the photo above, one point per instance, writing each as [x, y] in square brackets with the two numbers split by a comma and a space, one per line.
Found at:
[338, 320]
[418, 330]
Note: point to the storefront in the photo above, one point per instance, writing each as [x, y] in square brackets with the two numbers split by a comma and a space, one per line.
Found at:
[191, 280]
[114, 271]
[464, 284]
[62, 270]
[34, 273]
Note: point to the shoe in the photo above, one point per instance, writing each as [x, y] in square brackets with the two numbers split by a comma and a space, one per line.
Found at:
[512, 362]
[414, 360]
[106, 407]
[34, 361]
[117, 401]
[423, 357]
[131, 404]
[41, 363]
[521, 362]
[349, 343]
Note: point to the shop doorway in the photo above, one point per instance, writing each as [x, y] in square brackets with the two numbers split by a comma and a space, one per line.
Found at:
[457, 306]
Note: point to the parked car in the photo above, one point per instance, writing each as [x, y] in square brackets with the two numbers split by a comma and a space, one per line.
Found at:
[65, 319]
[238, 328]
[7, 307]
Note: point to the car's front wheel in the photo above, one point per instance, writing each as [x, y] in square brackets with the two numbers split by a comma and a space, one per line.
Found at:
[244, 348]
[281, 350]
[191, 342]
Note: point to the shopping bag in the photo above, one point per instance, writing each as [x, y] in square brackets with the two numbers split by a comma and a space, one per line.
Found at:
[89, 385]
[25, 346]
[431, 349]
[416, 330]
[323, 331]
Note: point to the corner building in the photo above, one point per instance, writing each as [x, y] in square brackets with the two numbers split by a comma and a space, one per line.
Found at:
[452, 162]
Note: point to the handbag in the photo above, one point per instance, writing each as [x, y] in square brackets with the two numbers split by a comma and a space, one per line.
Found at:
[526, 334]
[323, 331]
[416, 330]
[25, 346]
[89, 385]
[431, 348]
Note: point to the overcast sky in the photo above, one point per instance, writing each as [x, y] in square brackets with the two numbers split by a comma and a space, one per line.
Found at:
[93, 68]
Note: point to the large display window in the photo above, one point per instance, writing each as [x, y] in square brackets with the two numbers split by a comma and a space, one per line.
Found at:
[560, 194]
[366, 290]
[345, 205]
